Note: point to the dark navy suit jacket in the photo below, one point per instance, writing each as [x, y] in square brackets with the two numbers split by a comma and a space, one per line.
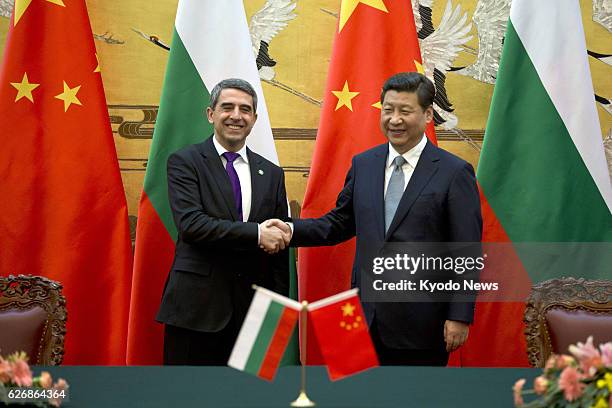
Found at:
[440, 204]
[217, 259]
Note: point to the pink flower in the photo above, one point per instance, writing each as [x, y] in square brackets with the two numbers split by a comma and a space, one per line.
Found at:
[550, 363]
[584, 350]
[540, 385]
[46, 381]
[564, 360]
[22, 375]
[606, 354]
[569, 382]
[5, 371]
[517, 389]
[588, 356]
[60, 385]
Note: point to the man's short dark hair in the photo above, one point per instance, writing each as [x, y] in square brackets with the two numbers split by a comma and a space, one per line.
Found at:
[232, 83]
[411, 82]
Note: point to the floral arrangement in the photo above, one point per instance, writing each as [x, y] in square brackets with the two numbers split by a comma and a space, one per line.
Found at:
[39, 391]
[583, 379]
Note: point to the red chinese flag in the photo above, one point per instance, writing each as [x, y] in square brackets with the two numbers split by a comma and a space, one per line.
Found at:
[341, 334]
[374, 40]
[63, 213]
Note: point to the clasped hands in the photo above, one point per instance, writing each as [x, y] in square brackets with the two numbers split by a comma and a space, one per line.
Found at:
[274, 235]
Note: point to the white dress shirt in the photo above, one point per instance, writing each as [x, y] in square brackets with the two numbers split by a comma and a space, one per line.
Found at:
[241, 164]
[412, 158]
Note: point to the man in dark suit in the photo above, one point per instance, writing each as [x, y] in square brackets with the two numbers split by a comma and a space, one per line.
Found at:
[220, 191]
[407, 190]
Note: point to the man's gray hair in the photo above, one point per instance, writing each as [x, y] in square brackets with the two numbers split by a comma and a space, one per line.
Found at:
[232, 83]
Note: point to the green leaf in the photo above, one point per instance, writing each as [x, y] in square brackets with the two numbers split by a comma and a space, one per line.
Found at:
[3, 397]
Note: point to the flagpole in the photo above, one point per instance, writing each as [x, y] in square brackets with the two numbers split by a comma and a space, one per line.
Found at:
[302, 399]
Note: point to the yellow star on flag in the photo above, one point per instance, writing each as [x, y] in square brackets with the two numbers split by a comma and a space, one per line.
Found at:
[24, 88]
[22, 5]
[69, 96]
[348, 309]
[377, 105]
[348, 7]
[98, 67]
[419, 67]
[344, 97]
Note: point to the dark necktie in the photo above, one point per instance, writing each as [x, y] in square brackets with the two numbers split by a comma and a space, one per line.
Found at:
[233, 176]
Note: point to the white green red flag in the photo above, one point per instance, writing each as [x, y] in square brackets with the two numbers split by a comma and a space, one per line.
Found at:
[542, 171]
[265, 333]
[211, 42]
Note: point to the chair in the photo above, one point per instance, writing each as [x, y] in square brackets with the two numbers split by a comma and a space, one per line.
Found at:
[32, 318]
[561, 312]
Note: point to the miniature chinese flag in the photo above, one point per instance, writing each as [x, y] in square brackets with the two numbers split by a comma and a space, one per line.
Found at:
[342, 334]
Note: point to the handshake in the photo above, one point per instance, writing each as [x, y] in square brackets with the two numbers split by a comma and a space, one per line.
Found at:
[274, 235]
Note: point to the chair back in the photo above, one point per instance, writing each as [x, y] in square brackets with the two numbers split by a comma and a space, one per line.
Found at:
[562, 312]
[32, 318]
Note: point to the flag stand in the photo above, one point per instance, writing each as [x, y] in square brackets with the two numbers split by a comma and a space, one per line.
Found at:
[302, 399]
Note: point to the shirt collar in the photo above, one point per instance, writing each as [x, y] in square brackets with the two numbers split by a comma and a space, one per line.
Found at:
[411, 156]
[220, 149]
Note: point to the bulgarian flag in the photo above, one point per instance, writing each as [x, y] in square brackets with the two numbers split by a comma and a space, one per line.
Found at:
[211, 42]
[374, 40]
[542, 172]
[63, 213]
[265, 333]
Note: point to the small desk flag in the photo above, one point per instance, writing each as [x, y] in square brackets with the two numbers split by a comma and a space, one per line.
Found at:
[340, 328]
[342, 334]
[265, 333]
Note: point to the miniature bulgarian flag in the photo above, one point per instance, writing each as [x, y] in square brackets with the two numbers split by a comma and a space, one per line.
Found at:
[265, 334]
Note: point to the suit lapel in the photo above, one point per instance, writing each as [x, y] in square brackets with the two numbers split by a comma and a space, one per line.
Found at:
[215, 166]
[378, 183]
[258, 184]
[426, 167]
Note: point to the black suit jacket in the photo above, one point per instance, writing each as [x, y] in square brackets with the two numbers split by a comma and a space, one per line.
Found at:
[440, 204]
[217, 258]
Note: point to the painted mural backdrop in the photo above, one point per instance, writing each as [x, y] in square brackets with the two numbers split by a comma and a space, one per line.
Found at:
[461, 42]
